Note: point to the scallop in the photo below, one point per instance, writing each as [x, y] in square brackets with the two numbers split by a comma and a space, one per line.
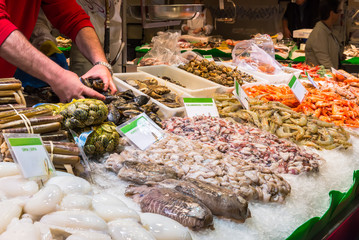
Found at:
[8, 169]
[16, 186]
[128, 229]
[20, 230]
[72, 221]
[164, 228]
[76, 202]
[44, 201]
[71, 184]
[105, 198]
[111, 212]
[8, 211]
[89, 236]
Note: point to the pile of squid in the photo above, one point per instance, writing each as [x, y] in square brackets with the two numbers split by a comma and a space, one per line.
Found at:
[175, 176]
[281, 120]
[246, 143]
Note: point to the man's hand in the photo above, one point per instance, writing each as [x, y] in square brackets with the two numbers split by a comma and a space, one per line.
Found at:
[100, 71]
[287, 33]
[197, 30]
[70, 87]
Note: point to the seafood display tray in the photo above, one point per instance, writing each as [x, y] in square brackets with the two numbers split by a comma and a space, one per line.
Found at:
[164, 112]
[195, 86]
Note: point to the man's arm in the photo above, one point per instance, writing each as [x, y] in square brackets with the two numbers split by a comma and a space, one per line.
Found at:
[17, 50]
[90, 46]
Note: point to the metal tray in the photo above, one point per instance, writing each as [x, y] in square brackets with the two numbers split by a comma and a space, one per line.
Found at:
[174, 11]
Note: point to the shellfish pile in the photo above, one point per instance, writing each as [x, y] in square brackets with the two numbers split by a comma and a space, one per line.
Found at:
[249, 144]
[193, 159]
[217, 73]
[284, 122]
[161, 93]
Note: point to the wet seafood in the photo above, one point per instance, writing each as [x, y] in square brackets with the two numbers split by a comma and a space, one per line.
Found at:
[221, 201]
[83, 112]
[173, 81]
[173, 204]
[193, 159]
[282, 121]
[217, 73]
[141, 173]
[161, 93]
[250, 144]
[128, 229]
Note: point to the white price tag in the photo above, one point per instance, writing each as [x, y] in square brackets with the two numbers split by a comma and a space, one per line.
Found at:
[30, 154]
[141, 131]
[311, 79]
[200, 106]
[208, 57]
[297, 88]
[241, 95]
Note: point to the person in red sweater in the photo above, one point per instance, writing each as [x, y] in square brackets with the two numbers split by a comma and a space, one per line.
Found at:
[17, 21]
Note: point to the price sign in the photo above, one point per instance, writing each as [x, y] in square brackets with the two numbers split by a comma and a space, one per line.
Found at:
[311, 79]
[241, 95]
[200, 106]
[30, 154]
[297, 88]
[141, 131]
[208, 57]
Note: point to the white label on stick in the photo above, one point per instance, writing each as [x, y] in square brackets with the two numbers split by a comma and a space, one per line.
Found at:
[241, 95]
[30, 154]
[311, 79]
[200, 106]
[297, 88]
[141, 131]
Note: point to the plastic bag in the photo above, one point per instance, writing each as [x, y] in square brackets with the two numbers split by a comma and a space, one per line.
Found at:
[165, 50]
[248, 56]
[190, 55]
[264, 41]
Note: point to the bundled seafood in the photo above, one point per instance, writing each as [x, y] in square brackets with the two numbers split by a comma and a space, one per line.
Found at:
[251, 144]
[217, 73]
[221, 201]
[193, 159]
[104, 138]
[11, 91]
[282, 121]
[168, 202]
[161, 93]
[83, 112]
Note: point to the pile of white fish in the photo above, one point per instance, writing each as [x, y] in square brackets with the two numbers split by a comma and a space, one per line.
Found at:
[67, 207]
[249, 144]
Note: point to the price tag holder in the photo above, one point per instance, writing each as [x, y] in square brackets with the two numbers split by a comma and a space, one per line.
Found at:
[200, 106]
[30, 154]
[241, 95]
[311, 79]
[141, 131]
[208, 57]
[297, 88]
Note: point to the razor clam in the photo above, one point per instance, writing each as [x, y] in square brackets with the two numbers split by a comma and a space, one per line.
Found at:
[143, 172]
[221, 201]
[186, 210]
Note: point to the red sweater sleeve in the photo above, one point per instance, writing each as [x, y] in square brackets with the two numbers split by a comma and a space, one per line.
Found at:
[6, 27]
[67, 16]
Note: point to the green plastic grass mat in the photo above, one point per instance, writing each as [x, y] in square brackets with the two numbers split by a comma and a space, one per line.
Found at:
[354, 60]
[338, 202]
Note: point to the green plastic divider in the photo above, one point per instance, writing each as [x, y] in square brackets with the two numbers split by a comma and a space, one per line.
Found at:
[338, 202]
[354, 60]
[65, 49]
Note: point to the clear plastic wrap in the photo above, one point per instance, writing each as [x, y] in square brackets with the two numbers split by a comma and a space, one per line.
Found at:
[165, 50]
[264, 41]
[248, 56]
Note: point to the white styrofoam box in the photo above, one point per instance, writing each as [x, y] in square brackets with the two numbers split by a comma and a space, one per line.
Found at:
[164, 112]
[195, 86]
[302, 33]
